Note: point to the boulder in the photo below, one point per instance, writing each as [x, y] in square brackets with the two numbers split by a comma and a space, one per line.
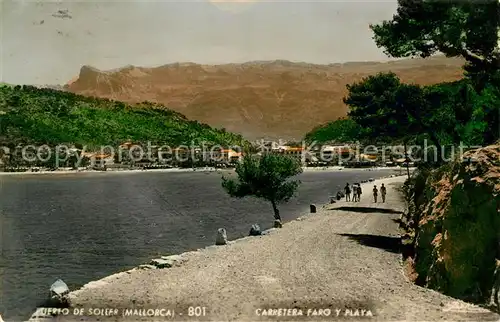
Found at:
[255, 230]
[221, 238]
[277, 224]
[58, 290]
[162, 263]
[312, 209]
[147, 266]
[172, 260]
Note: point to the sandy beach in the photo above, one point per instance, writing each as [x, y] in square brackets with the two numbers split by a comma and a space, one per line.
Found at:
[343, 260]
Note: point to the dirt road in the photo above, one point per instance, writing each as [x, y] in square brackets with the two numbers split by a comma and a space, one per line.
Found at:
[343, 261]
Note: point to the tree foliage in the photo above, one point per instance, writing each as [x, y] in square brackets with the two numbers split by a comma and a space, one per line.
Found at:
[461, 112]
[447, 113]
[47, 116]
[339, 131]
[267, 177]
[464, 111]
[372, 103]
[460, 28]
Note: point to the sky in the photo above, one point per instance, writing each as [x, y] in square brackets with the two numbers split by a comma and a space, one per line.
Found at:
[48, 42]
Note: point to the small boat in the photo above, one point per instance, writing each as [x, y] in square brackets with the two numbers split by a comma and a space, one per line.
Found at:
[58, 290]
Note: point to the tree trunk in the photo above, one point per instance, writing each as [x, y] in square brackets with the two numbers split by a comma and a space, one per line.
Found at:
[407, 161]
[276, 211]
[435, 140]
[430, 131]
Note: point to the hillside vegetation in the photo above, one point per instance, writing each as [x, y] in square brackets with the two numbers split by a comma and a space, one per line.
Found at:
[445, 114]
[342, 130]
[452, 226]
[261, 99]
[47, 116]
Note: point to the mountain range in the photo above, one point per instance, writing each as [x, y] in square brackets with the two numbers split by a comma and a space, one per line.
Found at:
[259, 99]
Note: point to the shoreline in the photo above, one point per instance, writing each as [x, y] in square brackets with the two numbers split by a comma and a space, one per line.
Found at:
[105, 279]
[59, 172]
[318, 187]
[178, 259]
[184, 170]
[297, 268]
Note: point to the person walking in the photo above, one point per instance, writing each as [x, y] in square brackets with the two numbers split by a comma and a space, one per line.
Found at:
[359, 192]
[383, 191]
[354, 192]
[375, 193]
[347, 191]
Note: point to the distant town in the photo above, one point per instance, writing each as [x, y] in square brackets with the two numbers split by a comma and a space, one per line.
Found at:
[135, 156]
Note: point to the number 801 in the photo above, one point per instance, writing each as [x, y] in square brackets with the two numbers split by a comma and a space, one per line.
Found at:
[197, 311]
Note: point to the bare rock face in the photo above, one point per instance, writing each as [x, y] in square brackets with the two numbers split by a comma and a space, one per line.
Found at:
[454, 216]
[257, 99]
[221, 238]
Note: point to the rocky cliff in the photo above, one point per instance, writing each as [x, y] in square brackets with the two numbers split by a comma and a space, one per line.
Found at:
[261, 99]
[453, 227]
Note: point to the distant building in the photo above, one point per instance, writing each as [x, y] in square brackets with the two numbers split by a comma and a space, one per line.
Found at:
[295, 152]
[223, 156]
[299, 153]
[126, 145]
[335, 153]
[99, 159]
[234, 156]
[368, 157]
[104, 159]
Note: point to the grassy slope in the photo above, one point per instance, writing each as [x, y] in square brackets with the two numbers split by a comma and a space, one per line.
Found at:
[46, 116]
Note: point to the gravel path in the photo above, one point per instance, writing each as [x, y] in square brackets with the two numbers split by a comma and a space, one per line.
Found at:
[335, 259]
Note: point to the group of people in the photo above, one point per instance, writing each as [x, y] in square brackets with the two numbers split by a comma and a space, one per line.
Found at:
[356, 192]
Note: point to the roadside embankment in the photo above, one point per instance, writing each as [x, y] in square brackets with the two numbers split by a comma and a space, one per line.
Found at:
[453, 227]
[343, 260]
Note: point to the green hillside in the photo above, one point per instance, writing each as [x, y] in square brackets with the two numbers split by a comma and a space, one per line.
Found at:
[45, 116]
[343, 130]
